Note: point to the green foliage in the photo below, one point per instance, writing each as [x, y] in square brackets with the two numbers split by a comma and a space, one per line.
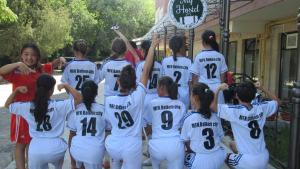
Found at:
[6, 14]
[54, 24]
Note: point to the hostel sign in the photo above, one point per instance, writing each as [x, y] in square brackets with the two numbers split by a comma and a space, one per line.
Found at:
[187, 14]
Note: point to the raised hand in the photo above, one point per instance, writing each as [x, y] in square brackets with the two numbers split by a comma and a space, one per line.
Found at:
[61, 86]
[223, 86]
[24, 69]
[22, 89]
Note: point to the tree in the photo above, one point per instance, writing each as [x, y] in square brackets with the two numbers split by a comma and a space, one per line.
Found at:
[7, 15]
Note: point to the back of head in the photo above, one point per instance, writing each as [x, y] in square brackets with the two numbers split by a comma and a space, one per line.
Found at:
[127, 79]
[45, 85]
[118, 47]
[246, 91]
[81, 46]
[205, 97]
[171, 87]
[145, 47]
[89, 92]
[175, 44]
[209, 38]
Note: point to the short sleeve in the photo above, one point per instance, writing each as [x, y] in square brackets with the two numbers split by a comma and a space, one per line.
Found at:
[65, 106]
[195, 68]
[48, 68]
[148, 114]
[19, 108]
[224, 67]
[65, 75]
[225, 112]
[269, 107]
[10, 77]
[139, 94]
[186, 130]
[71, 121]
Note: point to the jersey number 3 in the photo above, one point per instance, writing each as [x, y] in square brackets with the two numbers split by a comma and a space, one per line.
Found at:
[209, 133]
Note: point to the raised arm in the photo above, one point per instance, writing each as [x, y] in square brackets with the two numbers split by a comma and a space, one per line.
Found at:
[59, 62]
[214, 105]
[11, 98]
[268, 93]
[149, 60]
[18, 65]
[128, 45]
[76, 95]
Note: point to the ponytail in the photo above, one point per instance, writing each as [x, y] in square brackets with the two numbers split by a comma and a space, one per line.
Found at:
[175, 44]
[45, 83]
[209, 37]
[145, 47]
[89, 92]
[170, 85]
[205, 97]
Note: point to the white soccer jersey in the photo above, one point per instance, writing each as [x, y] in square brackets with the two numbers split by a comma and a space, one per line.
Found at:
[88, 123]
[177, 70]
[54, 121]
[110, 71]
[78, 71]
[247, 125]
[124, 113]
[165, 116]
[209, 65]
[205, 135]
[153, 81]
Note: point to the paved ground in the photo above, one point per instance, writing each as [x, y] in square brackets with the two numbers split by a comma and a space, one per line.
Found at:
[6, 148]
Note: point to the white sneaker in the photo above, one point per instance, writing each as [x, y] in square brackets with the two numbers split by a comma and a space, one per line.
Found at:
[147, 162]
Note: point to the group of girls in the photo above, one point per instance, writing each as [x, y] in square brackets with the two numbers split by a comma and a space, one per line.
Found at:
[154, 96]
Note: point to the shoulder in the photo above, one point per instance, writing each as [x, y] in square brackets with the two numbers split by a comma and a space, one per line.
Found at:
[188, 116]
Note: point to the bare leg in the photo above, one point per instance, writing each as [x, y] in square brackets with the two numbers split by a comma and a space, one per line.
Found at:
[20, 155]
[233, 147]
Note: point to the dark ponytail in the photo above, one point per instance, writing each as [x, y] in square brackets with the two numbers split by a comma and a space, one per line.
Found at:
[45, 84]
[175, 44]
[89, 92]
[118, 47]
[81, 46]
[205, 97]
[127, 79]
[170, 85]
[209, 38]
[145, 47]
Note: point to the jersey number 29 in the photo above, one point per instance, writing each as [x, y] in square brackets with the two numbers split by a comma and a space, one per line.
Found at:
[124, 117]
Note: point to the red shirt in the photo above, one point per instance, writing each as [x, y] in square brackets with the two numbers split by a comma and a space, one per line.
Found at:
[130, 58]
[17, 79]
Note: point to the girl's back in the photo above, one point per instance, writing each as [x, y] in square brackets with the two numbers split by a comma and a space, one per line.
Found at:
[110, 71]
[205, 134]
[177, 70]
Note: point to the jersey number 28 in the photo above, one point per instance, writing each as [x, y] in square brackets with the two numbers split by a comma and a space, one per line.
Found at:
[46, 125]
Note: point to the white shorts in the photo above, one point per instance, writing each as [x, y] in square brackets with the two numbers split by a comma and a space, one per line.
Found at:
[43, 151]
[170, 149]
[184, 96]
[249, 161]
[127, 149]
[214, 160]
[87, 150]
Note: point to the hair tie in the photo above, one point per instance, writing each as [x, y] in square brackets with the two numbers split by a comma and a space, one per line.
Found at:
[206, 90]
[211, 37]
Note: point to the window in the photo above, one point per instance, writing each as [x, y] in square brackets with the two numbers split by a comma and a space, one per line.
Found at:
[251, 57]
[288, 68]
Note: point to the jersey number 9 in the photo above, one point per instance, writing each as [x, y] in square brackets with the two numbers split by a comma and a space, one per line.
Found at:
[167, 120]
